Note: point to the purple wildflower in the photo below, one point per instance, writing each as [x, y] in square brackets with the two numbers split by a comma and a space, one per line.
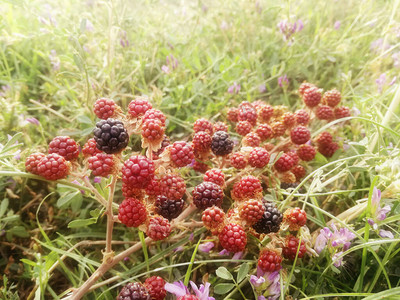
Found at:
[258, 7]
[33, 121]
[234, 88]
[337, 261]
[97, 179]
[206, 247]
[289, 29]
[386, 234]
[191, 237]
[78, 183]
[123, 40]
[237, 255]
[262, 88]
[4, 90]
[179, 289]
[337, 25]
[283, 81]
[17, 154]
[203, 291]
[256, 281]
[165, 69]
[393, 81]
[380, 82]
[379, 45]
[224, 252]
[224, 25]
[179, 249]
[172, 62]
[54, 60]
[266, 283]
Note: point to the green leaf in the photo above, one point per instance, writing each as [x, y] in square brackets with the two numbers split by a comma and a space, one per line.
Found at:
[28, 262]
[242, 273]
[223, 273]
[223, 288]
[67, 197]
[3, 206]
[82, 223]
[19, 231]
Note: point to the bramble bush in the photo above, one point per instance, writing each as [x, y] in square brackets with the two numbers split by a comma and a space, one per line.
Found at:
[260, 159]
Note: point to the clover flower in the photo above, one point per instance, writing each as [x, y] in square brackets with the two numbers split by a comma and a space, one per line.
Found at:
[234, 88]
[289, 29]
[335, 240]
[179, 289]
[378, 213]
[266, 284]
[283, 81]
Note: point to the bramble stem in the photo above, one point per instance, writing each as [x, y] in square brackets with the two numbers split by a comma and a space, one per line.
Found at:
[99, 197]
[110, 217]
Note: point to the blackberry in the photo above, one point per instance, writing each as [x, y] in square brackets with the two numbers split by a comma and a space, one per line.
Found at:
[221, 143]
[134, 291]
[167, 208]
[207, 194]
[110, 135]
[271, 219]
[286, 185]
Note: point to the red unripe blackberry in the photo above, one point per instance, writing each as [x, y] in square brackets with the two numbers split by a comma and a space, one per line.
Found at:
[245, 104]
[287, 177]
[243, 127]
[332, 98]
[258, 104]
[238, 160]
[155, 286]
[64, 146]
[220, 126]
[101, 164]
[152, 130]
[328, 150]
[90, 148]
[203, 125]
[295, 218]
[278, 129]
[266, 112]
[207, 194]
[271, 219]
[258, 157]
[248, 187]
[213, 217]
[159, 228]
[342, 112]
[168, 208]
[154, 187]
[201, 142]
[138, 107]
[132, 212]
[248, 113]
[181, 154]
[251, 140]
[221, 144]
[305, 86]
[110, 135]
[269, 261]
[284, 163]
[251, 211]
[293, 155]
[199, 166]
[233, 238]
[155, 114]
[53, 167]
[264, 131]
[172, 186]
[306, 152]
[164, 144]
[134, 291]
[302, 117]
[300, 135]
[312, 96]
[216, 176]
[31, 163]
[232, 114]
[138, 171]
[291, 246]
[104, 108]
[324, 138]
[298, 171]
[289, 119]
[130, 192]
[324, 112]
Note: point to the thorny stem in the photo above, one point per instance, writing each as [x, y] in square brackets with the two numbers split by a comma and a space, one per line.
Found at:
[110, 218]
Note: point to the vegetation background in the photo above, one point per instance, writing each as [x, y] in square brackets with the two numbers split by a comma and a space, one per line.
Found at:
[193, 59]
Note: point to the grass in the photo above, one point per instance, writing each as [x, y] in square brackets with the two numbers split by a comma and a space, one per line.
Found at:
[56, 60]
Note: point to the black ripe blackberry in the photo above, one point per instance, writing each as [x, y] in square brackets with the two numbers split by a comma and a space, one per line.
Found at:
[167, 208]
[110, 136]
[221, 143]
[134, 291]
[270, 221]
[207, 194]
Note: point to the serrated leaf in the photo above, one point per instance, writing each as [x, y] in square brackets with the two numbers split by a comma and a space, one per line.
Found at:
[82, 223]
[223, 288]
[223, 273]
[242, 273]
[3, 206]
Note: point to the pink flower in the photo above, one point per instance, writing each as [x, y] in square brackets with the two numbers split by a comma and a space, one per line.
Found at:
[283, 81]
[234, 88]
[337, 25]
[206, 247]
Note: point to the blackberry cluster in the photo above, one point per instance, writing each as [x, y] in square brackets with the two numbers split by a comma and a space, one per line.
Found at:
[111, 136]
